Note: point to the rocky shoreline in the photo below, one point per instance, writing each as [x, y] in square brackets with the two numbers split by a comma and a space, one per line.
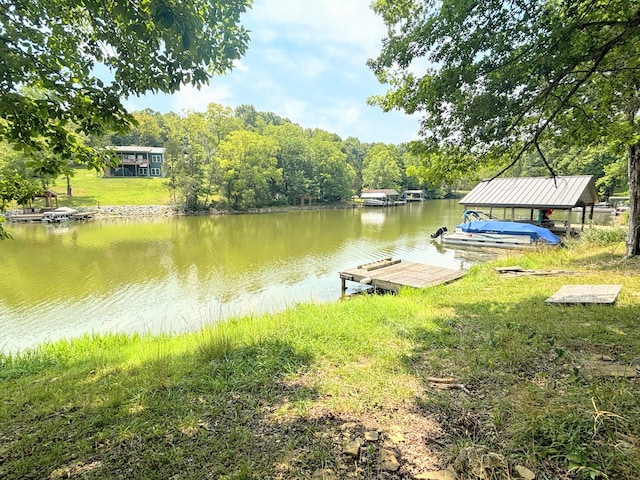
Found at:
[116, 211]
[167, 210]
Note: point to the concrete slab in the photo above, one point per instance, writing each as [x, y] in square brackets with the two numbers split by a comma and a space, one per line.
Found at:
[585, 294]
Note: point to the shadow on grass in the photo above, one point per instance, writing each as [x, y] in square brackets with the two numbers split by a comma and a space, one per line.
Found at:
[232, 412]
[86, 201]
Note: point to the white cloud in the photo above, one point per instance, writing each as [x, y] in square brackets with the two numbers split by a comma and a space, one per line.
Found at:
[190, 98]
[318, 22]
[305, 62]
[239, 66]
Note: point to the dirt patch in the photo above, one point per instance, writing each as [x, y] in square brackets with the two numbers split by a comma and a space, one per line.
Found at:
[397, 444]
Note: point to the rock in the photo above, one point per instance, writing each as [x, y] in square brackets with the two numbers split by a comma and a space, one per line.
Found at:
[437, 475]
[525, 473]
[479, 462]
[353, 448]
[371, 436]
[601, 368]
[389, 460]
[324, 474]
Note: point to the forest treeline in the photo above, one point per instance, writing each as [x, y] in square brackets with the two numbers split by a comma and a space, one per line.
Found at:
[243, 158]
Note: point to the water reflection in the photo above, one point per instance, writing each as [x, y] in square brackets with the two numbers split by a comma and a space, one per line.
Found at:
[174, 274]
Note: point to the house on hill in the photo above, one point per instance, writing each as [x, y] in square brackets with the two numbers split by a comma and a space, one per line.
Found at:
[136, 161]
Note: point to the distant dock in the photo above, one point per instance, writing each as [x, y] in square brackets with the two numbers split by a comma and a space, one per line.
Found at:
[391, 275]
[49, 217]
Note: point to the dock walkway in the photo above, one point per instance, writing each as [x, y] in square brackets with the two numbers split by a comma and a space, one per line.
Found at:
[391, 275]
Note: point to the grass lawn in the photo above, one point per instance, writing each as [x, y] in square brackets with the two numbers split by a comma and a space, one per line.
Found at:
[91, 190]
[479, 374]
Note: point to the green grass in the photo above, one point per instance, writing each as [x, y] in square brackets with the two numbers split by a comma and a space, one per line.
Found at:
[278, 396]
[91, 190]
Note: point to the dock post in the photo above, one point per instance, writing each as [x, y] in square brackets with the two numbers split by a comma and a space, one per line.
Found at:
[343, 286]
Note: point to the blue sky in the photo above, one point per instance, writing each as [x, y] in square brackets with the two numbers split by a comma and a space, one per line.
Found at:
[306, 62]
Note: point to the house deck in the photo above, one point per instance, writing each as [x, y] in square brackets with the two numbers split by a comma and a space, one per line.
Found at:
[391, 275]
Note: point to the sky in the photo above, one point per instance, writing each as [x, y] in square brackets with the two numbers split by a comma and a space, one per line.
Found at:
[306, 61]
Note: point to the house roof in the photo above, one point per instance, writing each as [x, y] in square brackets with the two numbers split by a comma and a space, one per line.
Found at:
[534, 192]
[136, 149]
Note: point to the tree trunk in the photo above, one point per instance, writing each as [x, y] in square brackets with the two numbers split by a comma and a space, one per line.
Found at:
[633, 237]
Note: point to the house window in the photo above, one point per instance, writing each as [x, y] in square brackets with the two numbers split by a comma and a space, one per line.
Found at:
[155, 172]
[142, 172]
[156, 158]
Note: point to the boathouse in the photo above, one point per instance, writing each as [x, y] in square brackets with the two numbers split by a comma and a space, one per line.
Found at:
[413, 195]
[385, 197]
[524, 198]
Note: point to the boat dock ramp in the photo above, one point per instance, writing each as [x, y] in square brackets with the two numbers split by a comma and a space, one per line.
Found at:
[391, 275]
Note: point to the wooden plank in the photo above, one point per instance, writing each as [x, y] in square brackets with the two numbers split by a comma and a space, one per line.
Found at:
[395, 274]
[585, 294]
[517, 271]
[382, 265]
[377, 262]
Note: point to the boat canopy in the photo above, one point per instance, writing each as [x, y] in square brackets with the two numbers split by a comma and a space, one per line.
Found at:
[510, 228]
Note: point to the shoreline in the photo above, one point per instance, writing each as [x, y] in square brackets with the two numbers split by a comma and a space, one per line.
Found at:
[117, 211]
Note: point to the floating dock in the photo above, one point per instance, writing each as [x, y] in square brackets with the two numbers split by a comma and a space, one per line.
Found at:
[45, 217]
[391, 275]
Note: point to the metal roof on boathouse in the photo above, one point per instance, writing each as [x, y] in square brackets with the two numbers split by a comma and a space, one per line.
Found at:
[560, 192]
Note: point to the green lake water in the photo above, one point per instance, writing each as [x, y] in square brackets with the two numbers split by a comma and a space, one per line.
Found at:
[175, 274]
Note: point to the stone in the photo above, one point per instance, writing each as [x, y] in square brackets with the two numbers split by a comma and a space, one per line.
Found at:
[595, 368]
[437, 475]
[468, 461]
[324, 474]
[353, 448]
[524, 472]
[348, 426]
[477, 461]
[371, 436]
[389, 460]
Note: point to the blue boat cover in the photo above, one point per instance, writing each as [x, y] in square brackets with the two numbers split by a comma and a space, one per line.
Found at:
[511, 228]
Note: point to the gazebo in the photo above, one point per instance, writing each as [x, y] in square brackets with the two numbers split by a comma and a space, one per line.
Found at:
[49, 197]
[559, 193]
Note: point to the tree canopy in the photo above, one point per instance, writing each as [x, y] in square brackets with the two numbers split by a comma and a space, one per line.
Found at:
[51, 51]
[497, 79]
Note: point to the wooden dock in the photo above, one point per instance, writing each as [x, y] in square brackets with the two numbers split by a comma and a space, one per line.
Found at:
[44, 217]
[391, 275]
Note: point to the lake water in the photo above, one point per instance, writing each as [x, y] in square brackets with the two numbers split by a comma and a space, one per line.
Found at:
[175, 274]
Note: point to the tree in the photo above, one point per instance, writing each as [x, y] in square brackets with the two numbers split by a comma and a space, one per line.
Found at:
[15, 188]
[355, 151]
[294, 159]
[249, 169]
[498, 79]
[190, 148]
[382, 168]
[333, 176]
[56, 48]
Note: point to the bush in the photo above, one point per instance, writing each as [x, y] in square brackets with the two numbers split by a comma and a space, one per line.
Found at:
[604, 236]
